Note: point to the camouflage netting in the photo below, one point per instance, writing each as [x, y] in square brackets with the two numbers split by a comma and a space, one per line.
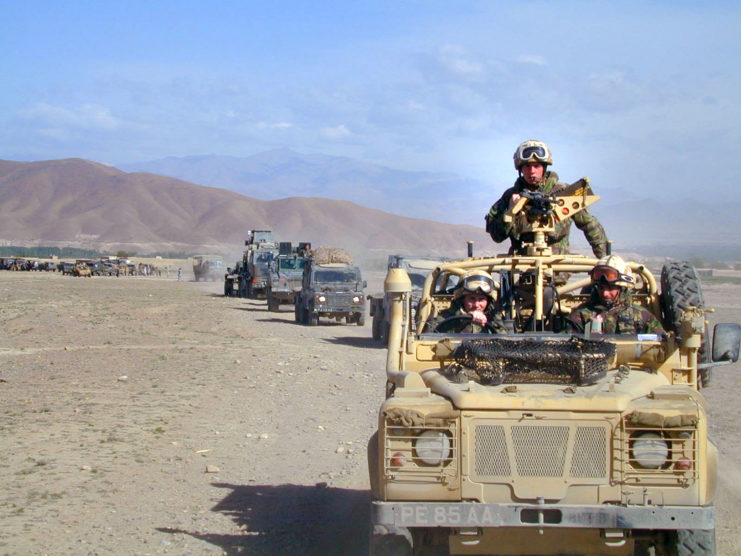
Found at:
[324, 255]
[499, 360]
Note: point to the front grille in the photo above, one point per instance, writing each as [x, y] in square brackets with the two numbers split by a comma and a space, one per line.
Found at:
[540, 451]
[590, 453]
[563, 450]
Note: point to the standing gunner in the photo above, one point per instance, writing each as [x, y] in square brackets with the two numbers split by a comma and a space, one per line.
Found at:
[532, 159]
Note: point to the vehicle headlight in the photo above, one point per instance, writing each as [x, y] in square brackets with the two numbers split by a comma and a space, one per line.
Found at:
[321, 298]
[650, 450]
[356, 299]
[432, 447]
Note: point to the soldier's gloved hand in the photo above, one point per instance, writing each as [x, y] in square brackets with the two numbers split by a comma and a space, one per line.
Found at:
[479, 318]
[513, 200]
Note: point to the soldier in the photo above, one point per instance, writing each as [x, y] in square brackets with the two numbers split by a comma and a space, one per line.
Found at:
[532, 159]
[473, 305]
[610, 308]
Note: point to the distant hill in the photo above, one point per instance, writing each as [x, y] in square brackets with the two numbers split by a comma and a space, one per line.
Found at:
[632, 219]
[79, 203]
[282, 173]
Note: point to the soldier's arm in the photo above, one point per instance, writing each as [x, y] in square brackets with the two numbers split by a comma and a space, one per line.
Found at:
[593, 231]
[649, 324]
[498, 229]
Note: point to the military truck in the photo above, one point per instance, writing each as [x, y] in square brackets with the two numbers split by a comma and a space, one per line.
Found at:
[378, 304]
[331, 290]
[256, 259]
[542, 442]
[208, 267]
[285, 274]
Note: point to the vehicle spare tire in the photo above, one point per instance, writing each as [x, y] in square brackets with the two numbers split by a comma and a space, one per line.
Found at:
[681, 288]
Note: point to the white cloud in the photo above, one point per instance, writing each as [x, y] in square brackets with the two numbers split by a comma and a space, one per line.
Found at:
[337, 132]
[454, 58]
[85, 117]
[274, 125]
[532, 59]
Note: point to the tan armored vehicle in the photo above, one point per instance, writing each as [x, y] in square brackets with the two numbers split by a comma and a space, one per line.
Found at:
[533, 441]
[82, 268]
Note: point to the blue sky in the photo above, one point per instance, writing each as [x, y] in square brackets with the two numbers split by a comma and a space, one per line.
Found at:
[640, 94]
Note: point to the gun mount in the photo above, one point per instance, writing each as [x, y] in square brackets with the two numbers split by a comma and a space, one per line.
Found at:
[538, 213]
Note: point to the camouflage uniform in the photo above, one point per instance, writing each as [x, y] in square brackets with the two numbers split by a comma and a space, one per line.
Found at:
[624, 317]
[558, 240]
[455, 309]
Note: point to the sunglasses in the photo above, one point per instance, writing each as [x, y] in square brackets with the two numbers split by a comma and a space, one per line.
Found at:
[608, 275]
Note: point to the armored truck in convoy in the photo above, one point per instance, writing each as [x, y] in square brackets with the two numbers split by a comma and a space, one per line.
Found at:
[331, 290]
[249, 277]
[285, 274]
[536, 440]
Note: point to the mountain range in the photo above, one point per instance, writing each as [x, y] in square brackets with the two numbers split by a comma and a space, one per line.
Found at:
[208, 203]
[80, 203]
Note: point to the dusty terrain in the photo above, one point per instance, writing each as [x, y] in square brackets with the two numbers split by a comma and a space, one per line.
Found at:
[150, 416]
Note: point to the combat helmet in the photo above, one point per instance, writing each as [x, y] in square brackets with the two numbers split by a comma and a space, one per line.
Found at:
[612, 270]
[532, 149]
[476, 281]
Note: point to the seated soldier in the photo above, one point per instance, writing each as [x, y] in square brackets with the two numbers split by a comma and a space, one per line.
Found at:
[472, 309]
[610, 308]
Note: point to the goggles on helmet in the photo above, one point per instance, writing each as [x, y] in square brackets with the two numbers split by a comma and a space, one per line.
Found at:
[536, 152]
[477, 284]
[609, 275]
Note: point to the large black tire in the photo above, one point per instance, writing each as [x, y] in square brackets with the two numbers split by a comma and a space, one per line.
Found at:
[690, 542]
[360, 320]
[681, 288]
[376, 326]
[273, 304]
[297, 312]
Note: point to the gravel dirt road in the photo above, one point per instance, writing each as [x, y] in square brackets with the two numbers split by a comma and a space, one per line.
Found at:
[150, 416]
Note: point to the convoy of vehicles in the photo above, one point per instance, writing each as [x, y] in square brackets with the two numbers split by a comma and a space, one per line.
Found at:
[536, 441]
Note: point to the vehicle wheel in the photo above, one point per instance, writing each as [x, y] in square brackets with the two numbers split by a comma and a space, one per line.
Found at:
[272, 303]
[296, 312]
[227, 289]
[313, 318]
[375, 327]
[681, 288]
[360, 319]
[390, 541]
[689, 542]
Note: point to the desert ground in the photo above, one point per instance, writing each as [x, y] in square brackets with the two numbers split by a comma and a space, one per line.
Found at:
[150, 416]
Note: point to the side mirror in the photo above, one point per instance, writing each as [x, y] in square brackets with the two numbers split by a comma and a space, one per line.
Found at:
[726, 339]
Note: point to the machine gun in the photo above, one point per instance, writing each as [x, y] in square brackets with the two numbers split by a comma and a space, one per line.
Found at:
[538, 213]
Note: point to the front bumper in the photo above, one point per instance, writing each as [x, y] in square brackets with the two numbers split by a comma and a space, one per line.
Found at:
[475, 514]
